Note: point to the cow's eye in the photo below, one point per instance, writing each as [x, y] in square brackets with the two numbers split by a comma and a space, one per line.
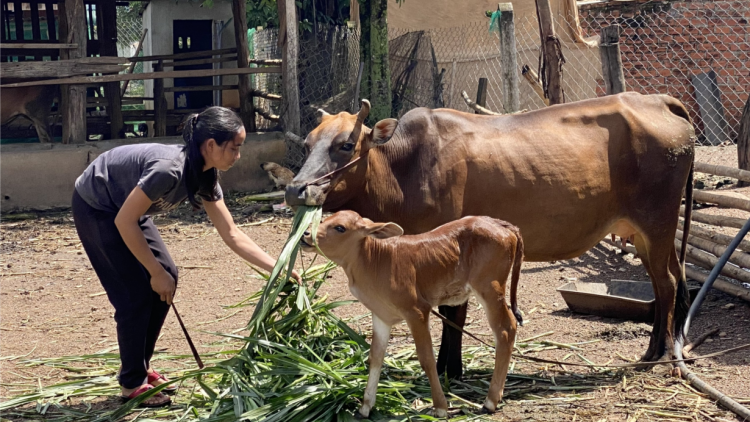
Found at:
[340, 229]
[347, 146]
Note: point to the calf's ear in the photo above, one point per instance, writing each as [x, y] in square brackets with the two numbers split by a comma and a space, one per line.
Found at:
[384, 230]
[383, 131]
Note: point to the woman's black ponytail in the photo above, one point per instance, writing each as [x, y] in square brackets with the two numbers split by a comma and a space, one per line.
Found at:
[219, 123]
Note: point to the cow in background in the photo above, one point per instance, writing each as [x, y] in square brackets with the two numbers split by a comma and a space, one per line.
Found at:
[566, 175]
[401, 278]
[32, 102]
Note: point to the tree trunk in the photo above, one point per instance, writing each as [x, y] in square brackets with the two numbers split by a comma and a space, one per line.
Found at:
[743, 141]
[376, 80]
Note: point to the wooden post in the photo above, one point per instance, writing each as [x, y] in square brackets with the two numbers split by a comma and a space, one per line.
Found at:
[373, 50]
[73, 104]
[743, 141]
[482, 93]
[552, 54]
[609, 50]
[160, 103]
[247, 111]
[289, 44]
[112, 89]
[508, 59]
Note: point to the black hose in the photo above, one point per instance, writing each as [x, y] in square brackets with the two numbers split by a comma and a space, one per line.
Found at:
[693, 379]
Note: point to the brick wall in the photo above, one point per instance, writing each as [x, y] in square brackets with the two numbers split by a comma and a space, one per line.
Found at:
[664, 44]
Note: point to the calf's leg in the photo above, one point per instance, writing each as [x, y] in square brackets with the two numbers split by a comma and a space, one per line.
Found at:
[381, 333]
[503, 325]
[449, 356]
[419, 327]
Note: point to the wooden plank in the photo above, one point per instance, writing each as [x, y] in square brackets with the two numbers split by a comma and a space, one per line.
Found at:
[132, 64]
[51, 21]
[509, 59]
[108, 36]
[533, 79]
[609, 51]
[73, 103]
[18, 15]
[266, 95]
[36, 32]
[200, 88]
[708, 97]
[56, 69]
[552, 53]
[39, 45]
[150, 75]
[247, 109]
[191, 55]
[743, 140]
[160, 104]
[228, 58]
[289, 56]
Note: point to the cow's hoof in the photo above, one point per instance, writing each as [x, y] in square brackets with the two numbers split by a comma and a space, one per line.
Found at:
[364, 412]
[489, 407]
[676, 372]
[439, 413]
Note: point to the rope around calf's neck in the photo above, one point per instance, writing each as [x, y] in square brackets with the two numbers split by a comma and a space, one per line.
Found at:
[621, 365]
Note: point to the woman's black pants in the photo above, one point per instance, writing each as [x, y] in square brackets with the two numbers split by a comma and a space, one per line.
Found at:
[139, 311]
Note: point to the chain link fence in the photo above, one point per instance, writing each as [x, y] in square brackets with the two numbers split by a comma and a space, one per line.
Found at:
[129, 31]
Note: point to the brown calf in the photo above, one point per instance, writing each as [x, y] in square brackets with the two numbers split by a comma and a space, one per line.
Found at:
[403, 277]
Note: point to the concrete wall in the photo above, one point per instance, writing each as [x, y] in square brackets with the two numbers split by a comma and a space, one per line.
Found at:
[158, 18]
[41, 176]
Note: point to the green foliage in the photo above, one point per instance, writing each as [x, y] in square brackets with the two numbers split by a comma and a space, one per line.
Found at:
[262, 13]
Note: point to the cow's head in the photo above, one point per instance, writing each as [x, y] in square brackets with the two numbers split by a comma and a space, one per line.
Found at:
[342, 234]
[336, 141]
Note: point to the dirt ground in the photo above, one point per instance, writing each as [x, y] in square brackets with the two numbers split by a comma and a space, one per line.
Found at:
[52, 305]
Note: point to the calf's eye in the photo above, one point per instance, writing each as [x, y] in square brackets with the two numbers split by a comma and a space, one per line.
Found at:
[340, 229]
[347, 146]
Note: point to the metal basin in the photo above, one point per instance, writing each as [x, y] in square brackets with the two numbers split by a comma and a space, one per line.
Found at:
[623, 299]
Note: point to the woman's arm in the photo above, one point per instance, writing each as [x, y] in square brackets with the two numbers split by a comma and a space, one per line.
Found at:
[135, 206]
[236, 239]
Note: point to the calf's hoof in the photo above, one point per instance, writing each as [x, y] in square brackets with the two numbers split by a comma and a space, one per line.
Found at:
[489, 407]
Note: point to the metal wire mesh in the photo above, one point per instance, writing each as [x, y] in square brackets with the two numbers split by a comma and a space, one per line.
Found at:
[129, 30]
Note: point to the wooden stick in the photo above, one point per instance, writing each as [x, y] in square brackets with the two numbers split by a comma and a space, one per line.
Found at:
[716, 220]
[533, 79]
[708, 261]
[725, 171]
[295, 138]
[149, 75]
[267, 114]
[738, 258]
[719, 238]
[200, 88]
[228, 58]
[479, 109]
[698, 341]
[722, 200]
[266, 95]
[132, 64]
[191, 55]
[724, 286]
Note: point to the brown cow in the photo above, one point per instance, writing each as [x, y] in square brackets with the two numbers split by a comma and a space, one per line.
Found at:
[33, 102]
[403, 278]
[566, 175]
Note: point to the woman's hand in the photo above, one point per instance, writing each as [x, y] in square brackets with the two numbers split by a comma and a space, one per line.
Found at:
[296, 277]
[163, 284]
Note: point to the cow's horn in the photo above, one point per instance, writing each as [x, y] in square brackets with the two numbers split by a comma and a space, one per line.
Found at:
[364, 111]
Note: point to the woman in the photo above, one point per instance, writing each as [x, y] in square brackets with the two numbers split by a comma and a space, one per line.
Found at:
[112, 204]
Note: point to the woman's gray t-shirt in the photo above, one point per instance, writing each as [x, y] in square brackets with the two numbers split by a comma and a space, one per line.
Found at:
[155, 168]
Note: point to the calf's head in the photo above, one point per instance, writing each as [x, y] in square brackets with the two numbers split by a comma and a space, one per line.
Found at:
[337, 140]
[344, 232]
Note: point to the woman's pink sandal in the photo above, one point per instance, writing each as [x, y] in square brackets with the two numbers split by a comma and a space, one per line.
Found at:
[154, 376]
[164, 400]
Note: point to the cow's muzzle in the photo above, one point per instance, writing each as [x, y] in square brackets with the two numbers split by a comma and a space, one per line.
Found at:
[300, 193]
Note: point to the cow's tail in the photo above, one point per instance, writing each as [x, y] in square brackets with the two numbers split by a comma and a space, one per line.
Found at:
[515, 275]
[682, 301]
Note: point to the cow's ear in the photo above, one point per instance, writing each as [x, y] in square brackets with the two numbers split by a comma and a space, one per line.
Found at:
[319, 114]
[383, 131]
[384, 230]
